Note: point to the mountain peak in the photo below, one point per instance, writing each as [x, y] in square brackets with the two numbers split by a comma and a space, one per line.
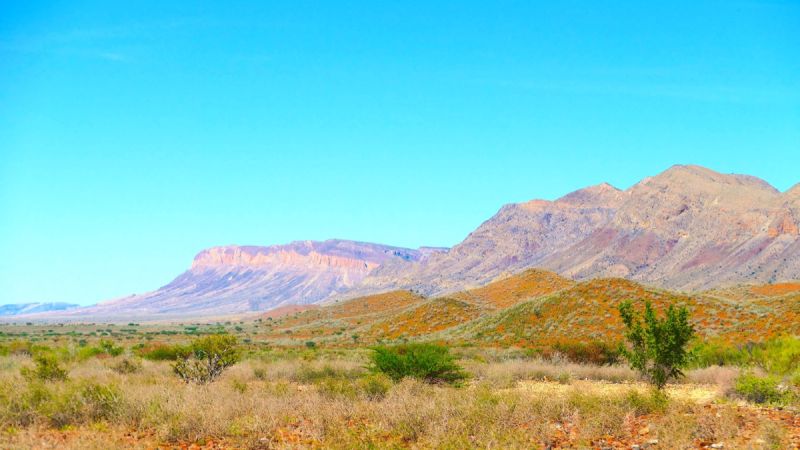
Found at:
[599, 195]
[699, 178]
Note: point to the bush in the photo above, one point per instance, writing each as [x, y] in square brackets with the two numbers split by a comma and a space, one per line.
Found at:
[127, 366]
[427, 362]
[47, 369]
[778, 356]
[658, 346]
[375, 386]
[163, 352]
[209, 357]
[595, 352]
[761, 389]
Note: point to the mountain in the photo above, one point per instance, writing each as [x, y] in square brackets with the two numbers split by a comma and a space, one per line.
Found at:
[32, 308]
[687, 228]
[241, 279]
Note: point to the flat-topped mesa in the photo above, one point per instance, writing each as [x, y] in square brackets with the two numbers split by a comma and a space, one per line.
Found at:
[327, 254]
[236, 256]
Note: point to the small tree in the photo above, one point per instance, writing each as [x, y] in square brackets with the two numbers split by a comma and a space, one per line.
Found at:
[658, 347]
[207, 358]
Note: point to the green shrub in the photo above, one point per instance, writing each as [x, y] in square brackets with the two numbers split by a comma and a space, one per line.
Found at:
[427, 362]
[658, 347]
[108, 347]
[209, 357]
[163, 352]
[766, 389]
[47, 369]
[310, 374]
[714, 354]
[375, 385]
[778, 356]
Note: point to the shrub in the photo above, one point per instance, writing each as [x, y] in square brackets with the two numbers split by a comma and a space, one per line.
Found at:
[209, 357]
[778, 356]
[594, 352]
[766, 389]
[427, 362]
[108, 347]
[163, 352]
[375, 385]
[127, 366]
[658, 346]
[47, 369]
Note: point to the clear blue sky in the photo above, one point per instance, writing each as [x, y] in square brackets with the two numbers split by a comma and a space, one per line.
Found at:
[134, 134]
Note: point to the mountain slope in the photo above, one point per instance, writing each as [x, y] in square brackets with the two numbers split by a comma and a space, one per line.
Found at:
[537, 308]
[687, 228]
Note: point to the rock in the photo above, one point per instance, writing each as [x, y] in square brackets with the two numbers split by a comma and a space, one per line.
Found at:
[718, 445]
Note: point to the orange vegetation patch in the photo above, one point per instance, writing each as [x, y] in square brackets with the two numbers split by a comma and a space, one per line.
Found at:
[374, 304]
[287, 310]
[510, 291]
[776, 289]
[435, 315]
[588, 312]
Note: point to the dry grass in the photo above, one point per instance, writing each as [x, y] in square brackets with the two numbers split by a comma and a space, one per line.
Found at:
[330, 401]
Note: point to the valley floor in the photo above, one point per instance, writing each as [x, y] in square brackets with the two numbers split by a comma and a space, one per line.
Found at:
[321, 399]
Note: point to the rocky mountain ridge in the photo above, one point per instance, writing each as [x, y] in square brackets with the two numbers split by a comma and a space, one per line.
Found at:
[688, 228]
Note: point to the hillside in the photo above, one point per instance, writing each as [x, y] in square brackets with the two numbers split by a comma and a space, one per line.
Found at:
[536, 308]
[687, 228]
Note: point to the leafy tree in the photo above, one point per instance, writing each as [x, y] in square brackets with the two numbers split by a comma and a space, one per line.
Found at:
[208, 358]
[427, 362]
[658, 346]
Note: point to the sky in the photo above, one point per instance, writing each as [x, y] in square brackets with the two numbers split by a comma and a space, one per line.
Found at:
[135, 134]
